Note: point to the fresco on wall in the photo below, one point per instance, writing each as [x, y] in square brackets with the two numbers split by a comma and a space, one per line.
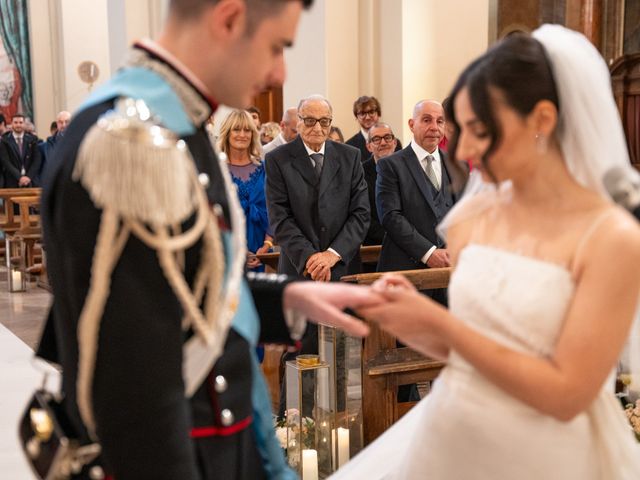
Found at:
[15, 61]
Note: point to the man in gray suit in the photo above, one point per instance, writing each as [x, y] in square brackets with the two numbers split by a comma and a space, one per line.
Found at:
[413, 194]
[318, 206]
[316, 198]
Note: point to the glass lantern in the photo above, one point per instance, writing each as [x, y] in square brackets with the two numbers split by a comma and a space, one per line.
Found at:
[309, 417]
[343, 354]
[16, 279]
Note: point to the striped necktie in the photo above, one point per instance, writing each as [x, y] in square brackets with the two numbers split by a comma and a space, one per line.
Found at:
[318, 161]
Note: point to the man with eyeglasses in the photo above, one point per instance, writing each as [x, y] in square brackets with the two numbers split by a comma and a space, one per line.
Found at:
[382, 142]
[367, 111]
[317, 203]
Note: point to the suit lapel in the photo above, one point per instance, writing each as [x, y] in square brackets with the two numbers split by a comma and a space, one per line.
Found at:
[413, 164]
[302, 163]
[14, 146]
[331, 166]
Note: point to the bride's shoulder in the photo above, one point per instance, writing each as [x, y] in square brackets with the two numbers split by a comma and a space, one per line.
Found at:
[612, 236]
[622, 229]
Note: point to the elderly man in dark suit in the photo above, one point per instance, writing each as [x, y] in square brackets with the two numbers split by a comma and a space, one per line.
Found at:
[413, 194]
[317, 198]
[19, 155]
[318, 205]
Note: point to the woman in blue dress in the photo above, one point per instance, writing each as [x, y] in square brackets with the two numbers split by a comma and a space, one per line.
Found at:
[240, 141]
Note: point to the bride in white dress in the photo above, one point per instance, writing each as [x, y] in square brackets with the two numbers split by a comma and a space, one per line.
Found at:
[544, 289]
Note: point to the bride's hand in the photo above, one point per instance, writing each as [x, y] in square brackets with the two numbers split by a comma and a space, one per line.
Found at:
[416, 320]
[389, 281]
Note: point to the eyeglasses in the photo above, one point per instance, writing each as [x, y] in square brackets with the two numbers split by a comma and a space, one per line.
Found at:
[387, 138]
[311, 122]
[365, 113]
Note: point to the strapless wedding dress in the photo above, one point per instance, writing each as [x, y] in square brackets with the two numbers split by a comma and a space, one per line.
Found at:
[467, 428]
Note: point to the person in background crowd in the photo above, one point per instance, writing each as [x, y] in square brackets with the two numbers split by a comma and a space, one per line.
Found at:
[239, 141]
[367, 112]
[382, 143]
[336, 135]
[3, 125]
[289, 130]
[268, 132]
[62, 121]
[256, 114]
[19, 155]
[318, 205]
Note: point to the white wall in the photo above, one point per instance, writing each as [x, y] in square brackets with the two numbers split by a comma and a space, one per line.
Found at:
[82, 40]
[400, 51]
[306, 61]
[397, 50]
[64, 33]
[47, 90]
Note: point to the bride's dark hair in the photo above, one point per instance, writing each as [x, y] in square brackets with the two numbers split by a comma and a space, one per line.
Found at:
[519, 68]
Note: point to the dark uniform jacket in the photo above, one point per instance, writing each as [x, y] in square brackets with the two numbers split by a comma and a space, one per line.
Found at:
[147, 428]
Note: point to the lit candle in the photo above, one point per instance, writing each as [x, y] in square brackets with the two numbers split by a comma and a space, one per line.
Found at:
[343, 446]
[309, 465]
[16, 280]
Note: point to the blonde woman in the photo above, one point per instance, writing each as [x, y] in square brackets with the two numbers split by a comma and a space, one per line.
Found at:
[240, 140]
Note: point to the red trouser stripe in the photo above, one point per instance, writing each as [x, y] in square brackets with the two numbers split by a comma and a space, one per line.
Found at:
[213, 431]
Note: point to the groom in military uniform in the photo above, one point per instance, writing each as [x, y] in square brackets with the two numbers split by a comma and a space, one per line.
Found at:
[153, 322]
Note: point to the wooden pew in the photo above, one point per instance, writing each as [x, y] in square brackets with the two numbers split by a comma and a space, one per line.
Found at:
[21, 232]
[386, 367]
[8, 222]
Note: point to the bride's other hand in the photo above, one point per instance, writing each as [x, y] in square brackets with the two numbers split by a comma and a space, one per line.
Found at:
[416, 320]
[393, 280]
[324, 303]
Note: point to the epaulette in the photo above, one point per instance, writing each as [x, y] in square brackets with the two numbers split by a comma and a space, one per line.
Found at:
[144, 180]
[137, 168]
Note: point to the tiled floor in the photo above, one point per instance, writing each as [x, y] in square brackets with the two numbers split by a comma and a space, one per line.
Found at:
[21, 318]
[23, 312]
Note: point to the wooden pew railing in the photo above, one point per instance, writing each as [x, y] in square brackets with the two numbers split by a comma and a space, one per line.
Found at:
[385, 367]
